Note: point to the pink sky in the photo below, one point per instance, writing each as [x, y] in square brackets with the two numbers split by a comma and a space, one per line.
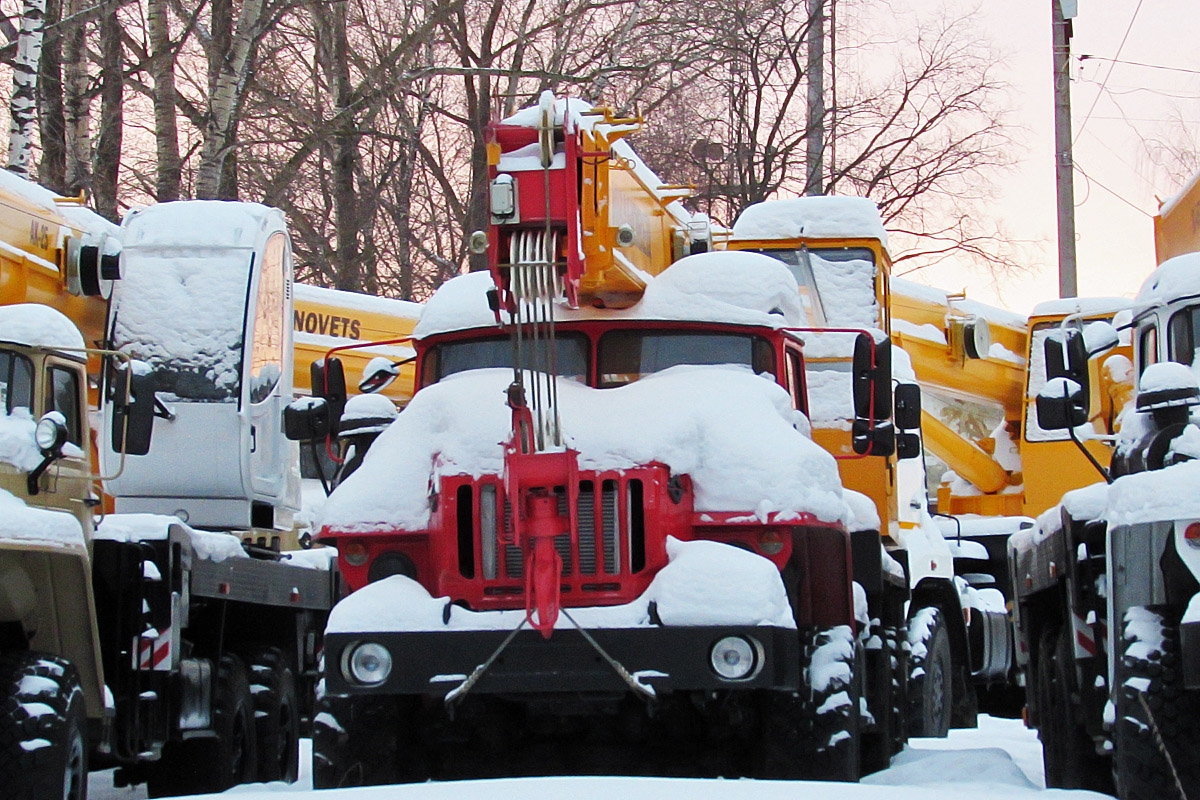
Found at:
[1115, 239]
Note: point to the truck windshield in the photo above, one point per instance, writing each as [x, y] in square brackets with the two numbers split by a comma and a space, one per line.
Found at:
[185, 316]
[1183, 336]
[625, 356]
[571, 356]
[16, 382]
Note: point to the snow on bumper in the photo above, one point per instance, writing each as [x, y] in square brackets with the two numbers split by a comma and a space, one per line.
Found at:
[708, 591]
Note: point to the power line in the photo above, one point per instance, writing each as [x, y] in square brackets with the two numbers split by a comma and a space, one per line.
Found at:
[1103, 84]
[1083, 58]
[1113, 192]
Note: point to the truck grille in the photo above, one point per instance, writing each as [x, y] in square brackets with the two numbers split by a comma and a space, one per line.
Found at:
[608, 541]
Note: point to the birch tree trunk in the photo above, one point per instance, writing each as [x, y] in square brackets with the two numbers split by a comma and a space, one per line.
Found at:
[228, 87]
[23, 106]
[166, 129]
[77, 105]
[112, 117]
[52, 167]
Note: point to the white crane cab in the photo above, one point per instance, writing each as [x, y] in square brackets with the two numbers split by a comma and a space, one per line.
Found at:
[206, 313]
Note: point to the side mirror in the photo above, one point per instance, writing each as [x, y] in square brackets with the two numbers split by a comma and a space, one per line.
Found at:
[378, 375]
[871, 432]
[1067, 356]
[908, 445]
[132, 414]
[329, 383]
[1061, 404]
[306, 418]
[908, 406]
[872, 368]
[1100, 336]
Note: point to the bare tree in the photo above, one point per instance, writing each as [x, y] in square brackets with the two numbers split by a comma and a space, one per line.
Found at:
[23, 103]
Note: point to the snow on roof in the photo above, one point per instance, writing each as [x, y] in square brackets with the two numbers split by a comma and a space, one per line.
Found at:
[1167, 376]
[318, 295]
[36, 325]
[725, 286]
[704, 583]
[729, 429]
[25, 525]
[1081, 305]
[198, 223]
[82, 218]
[1174, 278]
[812, 218]
[567, 110]
[720, 286]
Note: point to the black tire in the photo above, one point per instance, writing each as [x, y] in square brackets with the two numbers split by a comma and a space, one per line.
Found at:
[930, 696]
[366, 741]
[43, 745]
[885, 737]
[1149, 671]
[814, 733]
[1068, 753]
[220, 762]
[276, 716]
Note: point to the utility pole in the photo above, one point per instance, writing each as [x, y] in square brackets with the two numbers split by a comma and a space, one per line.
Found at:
[815, 138]
[1062, 12]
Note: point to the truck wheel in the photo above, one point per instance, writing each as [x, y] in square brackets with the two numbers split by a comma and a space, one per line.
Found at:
[356, 742]
[835, 677]
[930, 699]
[1149, 671]
[814, 733]
[276, 716]
[1068, 753]
[887, 737]
[43, 749]
[219, 762]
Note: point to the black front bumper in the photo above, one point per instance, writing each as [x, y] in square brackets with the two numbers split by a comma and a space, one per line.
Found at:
[670, 659]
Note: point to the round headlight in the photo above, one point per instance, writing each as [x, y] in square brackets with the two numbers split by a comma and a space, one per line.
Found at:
[732, 658]
[51, 432]
[368, 664]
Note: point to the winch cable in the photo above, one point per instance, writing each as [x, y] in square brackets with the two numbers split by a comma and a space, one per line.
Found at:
[456, 695]
[639, 688]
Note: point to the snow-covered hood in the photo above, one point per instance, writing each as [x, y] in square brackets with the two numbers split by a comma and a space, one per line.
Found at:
[732, 431]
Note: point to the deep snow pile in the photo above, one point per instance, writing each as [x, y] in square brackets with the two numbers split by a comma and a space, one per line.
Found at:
[705, 583]
[1174, 278]
[22, 524]
[811, 217]
[732, 431]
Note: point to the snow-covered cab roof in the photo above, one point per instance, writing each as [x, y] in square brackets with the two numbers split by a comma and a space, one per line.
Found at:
[35, 325]
[731, 287]
[1174, 278]
[811, 218]
[199, 223]
[1087, 306]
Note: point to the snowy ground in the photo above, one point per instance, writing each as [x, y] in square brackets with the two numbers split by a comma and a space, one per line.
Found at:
[998, 760]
